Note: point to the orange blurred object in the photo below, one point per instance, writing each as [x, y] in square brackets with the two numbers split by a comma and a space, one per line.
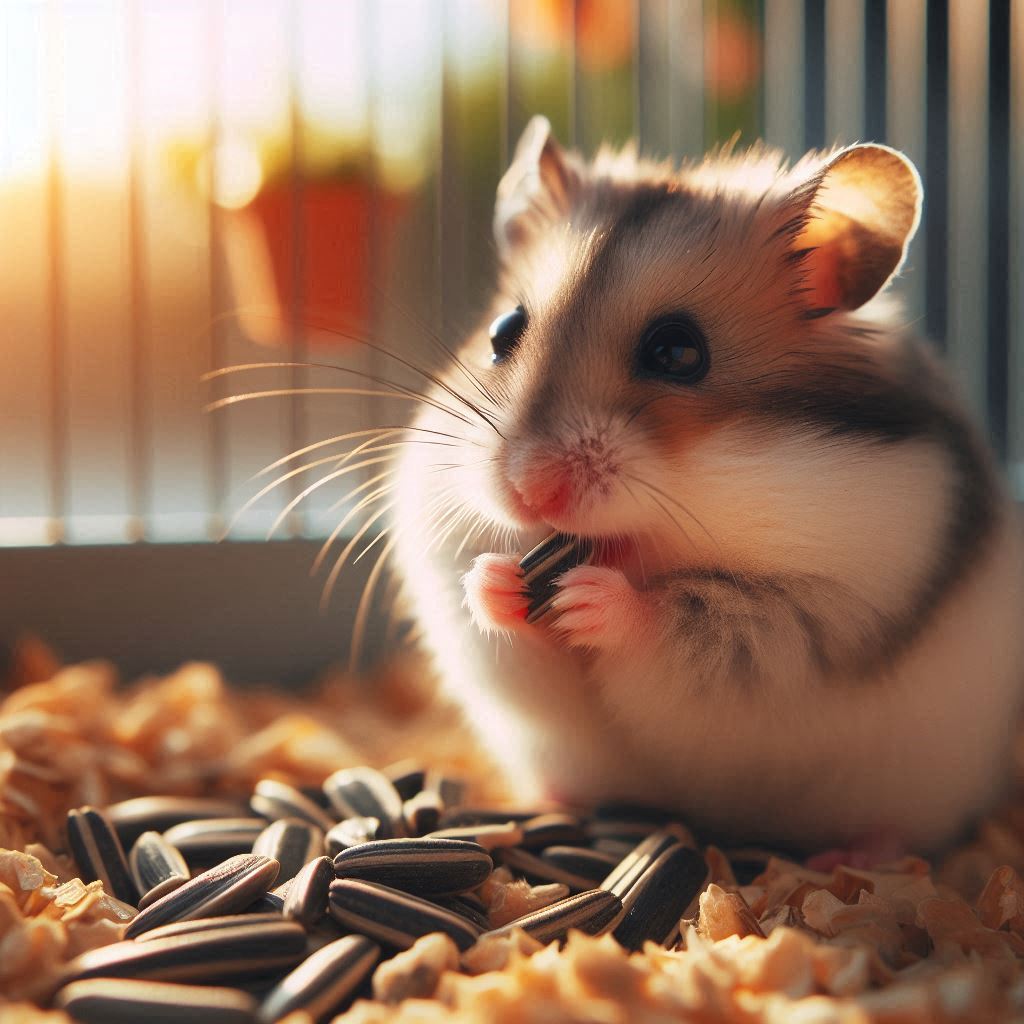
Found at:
[335, 224]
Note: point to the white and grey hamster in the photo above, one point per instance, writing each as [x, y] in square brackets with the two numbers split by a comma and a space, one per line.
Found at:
[803, 620]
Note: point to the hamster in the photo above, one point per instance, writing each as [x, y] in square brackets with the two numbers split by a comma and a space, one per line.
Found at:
[802, 622]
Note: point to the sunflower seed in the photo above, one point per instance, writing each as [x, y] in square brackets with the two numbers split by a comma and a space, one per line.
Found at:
[429, 867]
[215, 955]
[580, 861]
[366, 792]
[422, 813]
[643, 855]
[551, 829]
[274, 800]
[407, 777]
[451, 791]
[393, 917]
[465, 906]
[120, 1001]
[292, 842]
[656, 901]
[536, 869]
[617, 848]
[351, 832]
[593, 912]
[542, 566]
[157, 867]
[459, 817]
[208, 924]
[323, 983]
[625, 829]
[306, 901]
[158, 813]
[99, 854]
[224, 889]
[205, 842]
[490, 837]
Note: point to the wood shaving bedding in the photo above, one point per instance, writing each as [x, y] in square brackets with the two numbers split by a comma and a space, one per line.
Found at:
[904, 943]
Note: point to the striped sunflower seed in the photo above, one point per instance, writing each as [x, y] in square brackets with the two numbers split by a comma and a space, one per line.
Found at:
[451, 791]
[538, 870]
[351, 832]
[407, 777]
[542, 566]
[215, 955]
[207, 924]
[324, 982]
[490, 837]
[643, 855]
[657, 899]
[274, 800]
[292, 842]
[157, 867]
[224, 889]
[594, 912]
[581, 862]
[467, 906]
[458, 817]
[392, 917]
[429, 867]
[306, 901]
[158, 813]
[99, 854]
[422, 813]
[367, 793]
[551, 829]
[205, 842]
[121, 1001]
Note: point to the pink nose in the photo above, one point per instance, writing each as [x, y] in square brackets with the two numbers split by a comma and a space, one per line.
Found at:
[543, 489]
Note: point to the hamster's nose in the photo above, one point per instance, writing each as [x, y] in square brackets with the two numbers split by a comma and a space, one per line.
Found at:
[543, 487]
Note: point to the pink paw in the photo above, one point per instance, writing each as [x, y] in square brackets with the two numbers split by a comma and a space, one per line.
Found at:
[597, 607]
[495, 593]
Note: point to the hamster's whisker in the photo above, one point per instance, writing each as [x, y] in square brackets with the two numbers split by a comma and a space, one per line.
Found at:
[363, 502]
[263, 491]
[332, 579]
[682, 508]
[362, 487]
[408, 394]
[437, 341]
[351, 435]
[283, 514]
[365, 602]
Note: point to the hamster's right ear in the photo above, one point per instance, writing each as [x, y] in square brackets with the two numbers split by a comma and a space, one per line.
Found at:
[538, 187]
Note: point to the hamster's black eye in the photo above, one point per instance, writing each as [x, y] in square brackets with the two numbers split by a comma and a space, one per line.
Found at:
[675, 349]
[506, 331]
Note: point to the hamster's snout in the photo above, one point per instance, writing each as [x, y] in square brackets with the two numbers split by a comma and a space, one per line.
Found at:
[551, 484]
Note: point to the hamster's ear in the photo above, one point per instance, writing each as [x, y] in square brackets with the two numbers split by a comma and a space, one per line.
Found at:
[538, 186]
[860, 212]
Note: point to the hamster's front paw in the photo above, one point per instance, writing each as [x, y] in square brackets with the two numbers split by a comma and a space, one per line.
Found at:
[495, 593]
[598, 607]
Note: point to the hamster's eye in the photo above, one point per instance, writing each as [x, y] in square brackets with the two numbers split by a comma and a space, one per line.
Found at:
[675, 349]
[505, 332]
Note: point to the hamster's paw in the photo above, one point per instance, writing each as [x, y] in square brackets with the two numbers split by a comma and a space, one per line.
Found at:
[495, 593]
[597, 607]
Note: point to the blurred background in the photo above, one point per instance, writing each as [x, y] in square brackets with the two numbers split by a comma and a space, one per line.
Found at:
[191, 184]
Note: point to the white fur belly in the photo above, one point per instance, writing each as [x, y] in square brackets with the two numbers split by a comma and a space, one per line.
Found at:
[919, 752]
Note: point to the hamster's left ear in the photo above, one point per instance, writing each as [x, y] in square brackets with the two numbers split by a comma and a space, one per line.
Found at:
[861, 210]
[537, 188]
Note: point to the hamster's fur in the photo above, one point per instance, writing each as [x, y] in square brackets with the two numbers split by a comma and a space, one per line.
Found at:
[804, 621]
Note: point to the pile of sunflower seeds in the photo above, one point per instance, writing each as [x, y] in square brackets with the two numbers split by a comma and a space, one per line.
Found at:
[248, 914]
